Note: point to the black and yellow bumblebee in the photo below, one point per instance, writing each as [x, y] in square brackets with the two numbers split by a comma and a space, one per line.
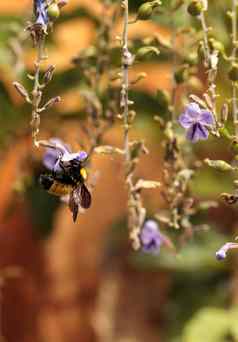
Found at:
[70, 180]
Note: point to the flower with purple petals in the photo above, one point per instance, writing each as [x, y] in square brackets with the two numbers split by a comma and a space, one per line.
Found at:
[60, 152]
[40, 9]
[221, 253]
[196, 121]
[150, 237]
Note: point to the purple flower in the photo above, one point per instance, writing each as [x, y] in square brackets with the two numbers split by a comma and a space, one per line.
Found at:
[221, 253]
[41, 12]
[60, 152]
[150, 237]
[196, 121]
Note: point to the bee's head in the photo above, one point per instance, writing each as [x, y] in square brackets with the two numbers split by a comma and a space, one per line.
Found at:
[75, 168]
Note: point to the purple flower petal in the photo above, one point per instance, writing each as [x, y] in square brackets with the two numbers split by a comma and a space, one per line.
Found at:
[206, 118]
[153, 248]
[185, 120]
[220, 255]
[60, 146]
[195, 120]
[193, 110]
[50, 159]
[197, 132]
[41, 12]
[52, 155]
[151, 238]
[82, 155]
[57, 167]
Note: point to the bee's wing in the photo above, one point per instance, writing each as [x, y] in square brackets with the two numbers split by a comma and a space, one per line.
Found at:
[80, 196]
[73, 205]
[85, 197]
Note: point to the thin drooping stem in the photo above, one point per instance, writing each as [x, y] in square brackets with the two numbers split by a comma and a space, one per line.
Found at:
[234, 58]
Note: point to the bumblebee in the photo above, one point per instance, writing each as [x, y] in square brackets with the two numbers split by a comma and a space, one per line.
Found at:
[70, 181]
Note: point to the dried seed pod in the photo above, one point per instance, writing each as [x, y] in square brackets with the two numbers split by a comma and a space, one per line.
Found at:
[147, 51]
[219, 165]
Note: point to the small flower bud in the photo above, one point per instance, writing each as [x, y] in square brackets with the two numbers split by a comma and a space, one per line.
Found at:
[224, 133]
[147, 51]
[220, 255]
[195, 8]
[51, 102]
[163, 99]
[53, 11]
[48, 74]
[62, 3]
[215, 44]
[191, 59]
[234, 145]
[224, 113]
[233, 72]
[219, 165]
[181, 75]
[21, 91]
[145, 11]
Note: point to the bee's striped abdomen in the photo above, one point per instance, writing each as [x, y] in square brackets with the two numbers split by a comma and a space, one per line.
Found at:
[60, 189]
[55, 187]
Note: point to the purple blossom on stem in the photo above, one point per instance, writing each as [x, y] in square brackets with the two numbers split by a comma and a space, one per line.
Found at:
[196, 121]
[151, 238]
[40, 9]
[60, 152]
[221, 253]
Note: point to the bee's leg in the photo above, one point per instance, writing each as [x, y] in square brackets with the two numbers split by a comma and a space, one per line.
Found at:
[46, 181]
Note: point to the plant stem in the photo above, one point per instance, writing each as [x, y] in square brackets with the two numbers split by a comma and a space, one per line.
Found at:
[136, 212]
[125, 79]
[233, 58]
[36, 93]
[205, 39]
[210, 56]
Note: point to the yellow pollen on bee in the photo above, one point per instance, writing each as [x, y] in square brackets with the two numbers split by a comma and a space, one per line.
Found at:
[83, 173]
